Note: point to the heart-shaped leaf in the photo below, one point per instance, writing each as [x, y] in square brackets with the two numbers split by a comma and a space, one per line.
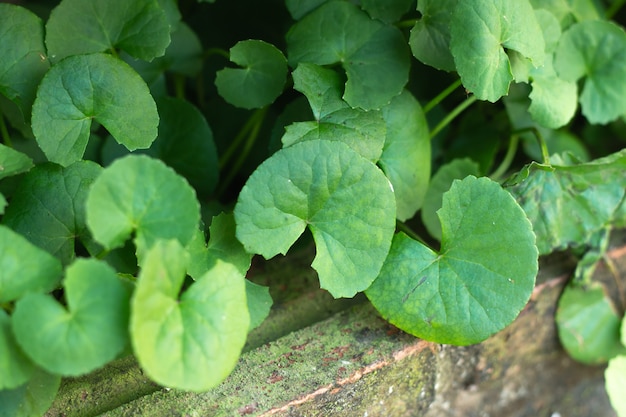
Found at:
[83, 88]
[344, 199]
[138, 27]
[48, 208]
[23, 53]
[406, 155]
[595, 50]
[430, 37]
[374, 55]
[141, 196]
[15, 367]
[260, 81]
[363, 131]
[479, 33]
[478, 282]
[192, 342]
[90, 332]
[24, 267]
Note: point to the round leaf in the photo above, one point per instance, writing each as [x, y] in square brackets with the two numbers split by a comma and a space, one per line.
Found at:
[430, 37]
[83, 88]
[138, 27]
[344, 199]
[479, 281]
[194, 342]
[48, 207]
[588, 324]
[23, 53]
[140, 195]
[88, 334]
[595, 50]
[24, 267]
[15, 367]
[479, 33]
[406, 155]
[33, 398]
[374, 55]
[260, 81]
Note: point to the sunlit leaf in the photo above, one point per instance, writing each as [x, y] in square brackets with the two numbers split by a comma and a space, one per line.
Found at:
[15, 367]
[615, 376]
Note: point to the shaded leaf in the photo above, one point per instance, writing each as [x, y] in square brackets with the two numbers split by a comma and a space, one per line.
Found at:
[33, 398]
[81, 27]
[87, 334]
[194, 342]
[344, 199]
[15, 367]
[259, 303]
[430, 37]
[374, 55]
[97, 87]
[479, 281]
[259, 82]
[140, 196]
[388, 11]
[13, 162]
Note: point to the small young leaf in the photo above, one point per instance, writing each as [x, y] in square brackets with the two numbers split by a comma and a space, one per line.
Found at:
[83, 88]
[363, 131]
[343, 198]
[33, 398]
[23, 53]
[479, 281]
[588, 324]
[406, 155]
[479, 33]
[595, 50]
[48, 208]
[88, 334]
[259, 303]
[194, 342]
[430, 37]
[553, 99]
[259, 82]
[374, 55]
[24, 267]
[15, 367]
[13, 162]
[138, 27]
[615, 376]
[141, 196]
[439, 184]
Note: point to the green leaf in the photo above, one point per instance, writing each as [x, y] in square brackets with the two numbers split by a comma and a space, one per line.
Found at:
[13, 162]
[259, 82]
[439, 184]
[3, 203]
[299, 8]
[48, 208]
[479, 33]
[81, 27]
[406, 155]
[430, 37]
[363, 131]
[588, 324]
[83, 88]
[373, 54]
[588, 195]
[33, 398]
[87, 334]
[596, 51]
[23, 53]
[479, 281]
[194, 342]
[24, 267]
[185, 143]
[553, 99]
[389, 11]
[344, 199]
[15, 367]
[615, 377]
[140, 196]
[259, 303]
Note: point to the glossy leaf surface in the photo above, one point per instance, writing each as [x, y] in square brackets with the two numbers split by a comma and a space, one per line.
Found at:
[344, 199]
[478, 282]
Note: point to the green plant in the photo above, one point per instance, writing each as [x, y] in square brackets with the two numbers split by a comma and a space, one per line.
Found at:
[118, 151]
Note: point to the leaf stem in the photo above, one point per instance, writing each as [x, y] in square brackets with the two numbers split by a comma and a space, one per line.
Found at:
[179, 86]
[441, 96]
[614, 8]
[409, 23]
[215, 51]
[545, 155]
[452, 115]
[508, 158]
[403, 227]
[6, 138]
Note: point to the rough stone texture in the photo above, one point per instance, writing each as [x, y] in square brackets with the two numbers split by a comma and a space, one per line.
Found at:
[356, 364]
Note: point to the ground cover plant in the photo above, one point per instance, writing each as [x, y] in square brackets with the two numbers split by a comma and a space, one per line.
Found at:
[431, 152]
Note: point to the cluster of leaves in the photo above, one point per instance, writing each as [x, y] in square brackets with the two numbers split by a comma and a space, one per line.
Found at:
[110, 171]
